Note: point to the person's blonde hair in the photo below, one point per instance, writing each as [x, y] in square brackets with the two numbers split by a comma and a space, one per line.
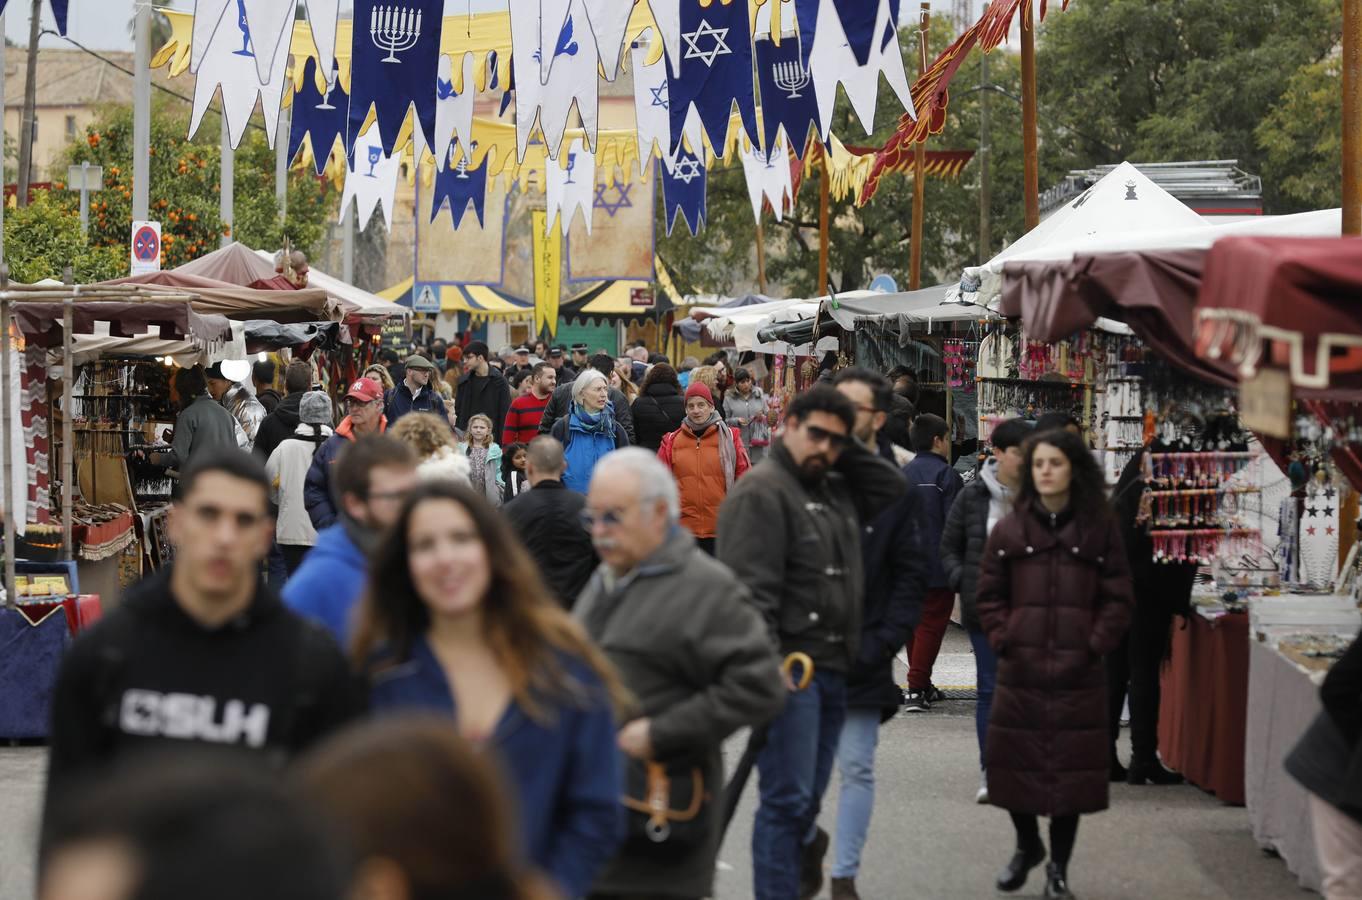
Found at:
[385, 377]
[425, 433]
[708, 376]
[473, 418]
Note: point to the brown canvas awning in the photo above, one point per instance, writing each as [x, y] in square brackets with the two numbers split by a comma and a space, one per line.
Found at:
[239, 302]
[41, 321]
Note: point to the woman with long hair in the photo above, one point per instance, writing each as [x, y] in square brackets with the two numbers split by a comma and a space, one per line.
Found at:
[458, 622]
[418, 813]
[589, 431]
[1054, 597]
[380, 374]
[660, 408]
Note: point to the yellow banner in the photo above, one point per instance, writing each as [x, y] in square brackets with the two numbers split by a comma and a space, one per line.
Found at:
[548, 271]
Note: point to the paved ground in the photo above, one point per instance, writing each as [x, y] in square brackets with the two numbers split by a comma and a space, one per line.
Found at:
[928, 839]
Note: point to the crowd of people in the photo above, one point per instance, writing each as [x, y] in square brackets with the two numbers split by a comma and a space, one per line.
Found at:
[502, 639]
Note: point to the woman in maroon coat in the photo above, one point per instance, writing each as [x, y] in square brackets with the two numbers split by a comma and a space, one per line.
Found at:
[1054, 597]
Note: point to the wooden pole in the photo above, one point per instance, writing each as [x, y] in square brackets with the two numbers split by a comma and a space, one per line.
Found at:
[1352, 116]
[761, 257]
[1030, 160]
[29, 115]
[919, 165]
[68, 466]
[824, 198]
[7, 416]
[985, 187]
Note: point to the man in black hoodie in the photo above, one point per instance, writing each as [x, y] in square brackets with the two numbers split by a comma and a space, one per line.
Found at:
[201, 655]
[482, 389]
[284, 420]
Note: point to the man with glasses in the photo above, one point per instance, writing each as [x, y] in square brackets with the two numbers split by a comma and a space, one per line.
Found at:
[373, 477]
[202, 652]
[790, 529]
[364, 416]
[679, 628]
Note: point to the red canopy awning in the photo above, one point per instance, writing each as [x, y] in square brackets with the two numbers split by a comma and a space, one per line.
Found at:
[1301, 298]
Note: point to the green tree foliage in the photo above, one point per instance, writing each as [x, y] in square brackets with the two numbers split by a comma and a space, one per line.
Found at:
[185, 189]
[43, 238]
[1303, 139]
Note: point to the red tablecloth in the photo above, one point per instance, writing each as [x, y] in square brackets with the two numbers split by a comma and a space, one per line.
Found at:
[1205, 704]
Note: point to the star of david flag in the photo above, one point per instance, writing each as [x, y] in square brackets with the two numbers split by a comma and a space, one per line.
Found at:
[224, 66]
[683, 190]
[833, 62]
[652, 107]
[453, 110]
[570, 188]
[460, 185]
[787, 99]
[370, 179]
[572, 79]
[712, 68]
[395, 59]
[59, 11]
[318, 114]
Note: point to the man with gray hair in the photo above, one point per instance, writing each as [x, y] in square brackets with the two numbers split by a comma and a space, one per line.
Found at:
[683, 634]
[547, 517]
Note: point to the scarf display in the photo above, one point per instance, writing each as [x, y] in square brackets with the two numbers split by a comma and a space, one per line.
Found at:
[728, 454]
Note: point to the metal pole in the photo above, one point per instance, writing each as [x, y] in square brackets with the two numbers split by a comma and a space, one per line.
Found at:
[281, 165]
[85, 199]
[67, 425]
[1030, 160]
[2, 129]
[26, 121]
[7, 411]
[141, 113]
[824, 195]
[227, 184]
[919, 165]
[1352, 116]
[985, 176]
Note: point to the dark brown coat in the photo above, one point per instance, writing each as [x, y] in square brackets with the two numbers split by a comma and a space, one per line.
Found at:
[1054, 597]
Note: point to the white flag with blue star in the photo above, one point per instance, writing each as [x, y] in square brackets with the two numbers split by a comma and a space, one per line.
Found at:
[833, 62]
[652, 108]
[569, 187]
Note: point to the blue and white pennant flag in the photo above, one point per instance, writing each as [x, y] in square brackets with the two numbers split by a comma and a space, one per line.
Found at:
[710, 66]
[684, 182]
[319, 115]
[460, 185]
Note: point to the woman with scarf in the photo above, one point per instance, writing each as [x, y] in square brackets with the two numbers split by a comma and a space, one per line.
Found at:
[590, 431]
[706, 457]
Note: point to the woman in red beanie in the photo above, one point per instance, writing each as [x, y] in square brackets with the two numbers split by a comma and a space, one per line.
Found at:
[706, 457]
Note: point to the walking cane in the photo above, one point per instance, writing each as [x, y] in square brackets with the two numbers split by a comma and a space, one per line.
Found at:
[757, 742]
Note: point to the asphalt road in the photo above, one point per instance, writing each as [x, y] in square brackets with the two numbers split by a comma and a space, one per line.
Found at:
[928, 838]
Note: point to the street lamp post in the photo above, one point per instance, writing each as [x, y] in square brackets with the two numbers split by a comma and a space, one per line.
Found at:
[86, 179]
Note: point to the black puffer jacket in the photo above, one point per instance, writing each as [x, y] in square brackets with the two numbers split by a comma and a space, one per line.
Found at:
[962, 546]
[658, 411]
[278, 425]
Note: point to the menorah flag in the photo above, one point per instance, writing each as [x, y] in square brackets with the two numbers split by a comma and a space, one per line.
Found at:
[395, 58]
[683, 190]
[548, 271]
[787, 98]
[313, 119]
[712, 69]
[460, 185]
[768, 178]
[930, 92]
[59, 9]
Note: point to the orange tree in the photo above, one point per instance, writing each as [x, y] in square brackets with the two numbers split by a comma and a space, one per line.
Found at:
[185, 188]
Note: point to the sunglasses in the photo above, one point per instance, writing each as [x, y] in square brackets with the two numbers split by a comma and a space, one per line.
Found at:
[834, 440]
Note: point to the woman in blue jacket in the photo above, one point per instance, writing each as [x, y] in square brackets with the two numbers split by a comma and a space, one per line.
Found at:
[589, 431]
[458, 621]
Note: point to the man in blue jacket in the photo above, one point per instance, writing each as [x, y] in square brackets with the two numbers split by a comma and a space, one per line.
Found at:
[931, 477]
[414, 393]
[372, 477]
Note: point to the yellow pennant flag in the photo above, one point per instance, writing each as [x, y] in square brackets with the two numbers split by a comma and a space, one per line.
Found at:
[548, 271]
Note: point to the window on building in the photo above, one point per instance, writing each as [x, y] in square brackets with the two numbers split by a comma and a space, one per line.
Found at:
[70, 128]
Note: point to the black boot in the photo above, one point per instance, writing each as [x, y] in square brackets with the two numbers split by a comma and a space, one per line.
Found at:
[1150, 771]
[811, 866]
[1118, 771]
[1013, 877]
[1057, 883]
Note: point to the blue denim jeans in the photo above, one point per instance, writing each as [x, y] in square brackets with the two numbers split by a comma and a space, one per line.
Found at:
[986, 678]
[792, 773]
[856, 769]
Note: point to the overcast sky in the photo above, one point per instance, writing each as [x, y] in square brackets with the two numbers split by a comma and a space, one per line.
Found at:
[103, 24]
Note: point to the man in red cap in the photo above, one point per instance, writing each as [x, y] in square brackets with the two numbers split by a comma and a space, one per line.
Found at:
[364, 408]
[706, 457]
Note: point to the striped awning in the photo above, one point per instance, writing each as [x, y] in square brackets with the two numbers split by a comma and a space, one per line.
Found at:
[482, 302]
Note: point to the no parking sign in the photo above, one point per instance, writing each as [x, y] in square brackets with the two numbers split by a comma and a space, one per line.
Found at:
[146, 247]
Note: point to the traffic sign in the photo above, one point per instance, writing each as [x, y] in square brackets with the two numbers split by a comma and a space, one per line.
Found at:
[146, 247]
[884, 284]
[427, 300]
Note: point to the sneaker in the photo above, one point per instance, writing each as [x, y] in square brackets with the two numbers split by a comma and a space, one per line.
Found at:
[811, 866]
[981, 796]
[935, 694]
[844, 889]
[915, 701]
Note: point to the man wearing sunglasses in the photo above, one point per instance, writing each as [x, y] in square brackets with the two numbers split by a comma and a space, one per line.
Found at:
[201, 653]
[790, 529]
[364, 416]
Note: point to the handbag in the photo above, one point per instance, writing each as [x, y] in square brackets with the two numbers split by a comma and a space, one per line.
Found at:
[666, 804]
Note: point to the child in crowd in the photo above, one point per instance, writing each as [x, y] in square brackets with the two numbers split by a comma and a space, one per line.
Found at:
[514, 478]
[484, 458]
